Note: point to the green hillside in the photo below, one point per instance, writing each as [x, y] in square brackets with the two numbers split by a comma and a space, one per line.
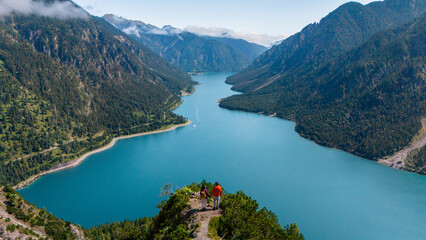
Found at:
[367, 100]
[241, 219]
[342, 30]
[70, 85]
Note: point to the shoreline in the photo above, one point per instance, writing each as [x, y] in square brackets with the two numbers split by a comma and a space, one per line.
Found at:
[388, 161]
[79, 160]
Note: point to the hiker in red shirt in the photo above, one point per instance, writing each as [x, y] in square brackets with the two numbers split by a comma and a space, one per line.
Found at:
[216, 193]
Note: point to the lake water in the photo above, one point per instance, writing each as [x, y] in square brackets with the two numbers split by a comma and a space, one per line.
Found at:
[330, 194]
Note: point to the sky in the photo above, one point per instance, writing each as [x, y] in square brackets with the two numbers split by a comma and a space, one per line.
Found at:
[278, 18]
[62, 10]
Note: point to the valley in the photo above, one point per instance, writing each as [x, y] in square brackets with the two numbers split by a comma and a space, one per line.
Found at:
[105, 120]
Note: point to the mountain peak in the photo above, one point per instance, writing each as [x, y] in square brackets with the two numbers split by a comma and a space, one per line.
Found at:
[191, 52]
[137, 28]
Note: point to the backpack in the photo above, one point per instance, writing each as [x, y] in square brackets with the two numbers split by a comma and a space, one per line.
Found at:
[203, 194]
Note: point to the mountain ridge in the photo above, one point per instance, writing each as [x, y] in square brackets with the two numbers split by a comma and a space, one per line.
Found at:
[343, 29]
[331, 95]
[188, 51]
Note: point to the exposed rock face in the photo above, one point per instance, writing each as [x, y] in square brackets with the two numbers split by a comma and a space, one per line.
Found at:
[78, 233]
[15, 235]
[2, 229]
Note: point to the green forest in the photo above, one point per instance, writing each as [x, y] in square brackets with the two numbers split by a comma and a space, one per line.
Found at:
[417, 161]
[70, 86]
[365, 95]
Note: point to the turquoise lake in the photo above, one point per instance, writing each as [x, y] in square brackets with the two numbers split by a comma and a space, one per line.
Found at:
[330, 194]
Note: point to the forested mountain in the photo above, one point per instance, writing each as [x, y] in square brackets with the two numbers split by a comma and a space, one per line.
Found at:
[80, 79]
[251, 50]
[343, 29]
[192, 53]
[189, 52]
[344, 86]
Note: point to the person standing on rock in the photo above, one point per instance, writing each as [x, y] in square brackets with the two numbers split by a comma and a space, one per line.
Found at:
[216, 193]
[204, 194]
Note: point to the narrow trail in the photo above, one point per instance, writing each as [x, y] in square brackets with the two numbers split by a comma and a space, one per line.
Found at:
[33, 154]
[271, 80]
[203, 218]
[46, 150]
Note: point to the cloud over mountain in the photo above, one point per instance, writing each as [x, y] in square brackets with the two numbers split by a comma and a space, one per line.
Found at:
[62, 10]
[138, 28]
[262, 39]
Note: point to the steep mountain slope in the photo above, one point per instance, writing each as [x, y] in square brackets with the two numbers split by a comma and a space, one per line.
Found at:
[187, 51]
[76, 79]
[22, 220]
[368, 101]
[343, 29]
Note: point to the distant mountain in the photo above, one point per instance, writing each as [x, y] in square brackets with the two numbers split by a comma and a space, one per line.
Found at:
[220, 32]
[345, 82]
[69, 85]
[190, 52]
[251, 50]
[138, 28]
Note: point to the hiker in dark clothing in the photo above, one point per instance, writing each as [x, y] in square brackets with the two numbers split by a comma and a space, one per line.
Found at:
[204, 194]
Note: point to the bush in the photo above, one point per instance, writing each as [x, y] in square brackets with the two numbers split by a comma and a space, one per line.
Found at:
[57, 230]
[181, 233]
[8, 189]
[242, 220]
[12, 196]
[11, 228]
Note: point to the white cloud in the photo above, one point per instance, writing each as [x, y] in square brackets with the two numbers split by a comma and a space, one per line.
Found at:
[262, 39]
[132, 30]
[137, 27]
[169, 30]
[60, 10]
